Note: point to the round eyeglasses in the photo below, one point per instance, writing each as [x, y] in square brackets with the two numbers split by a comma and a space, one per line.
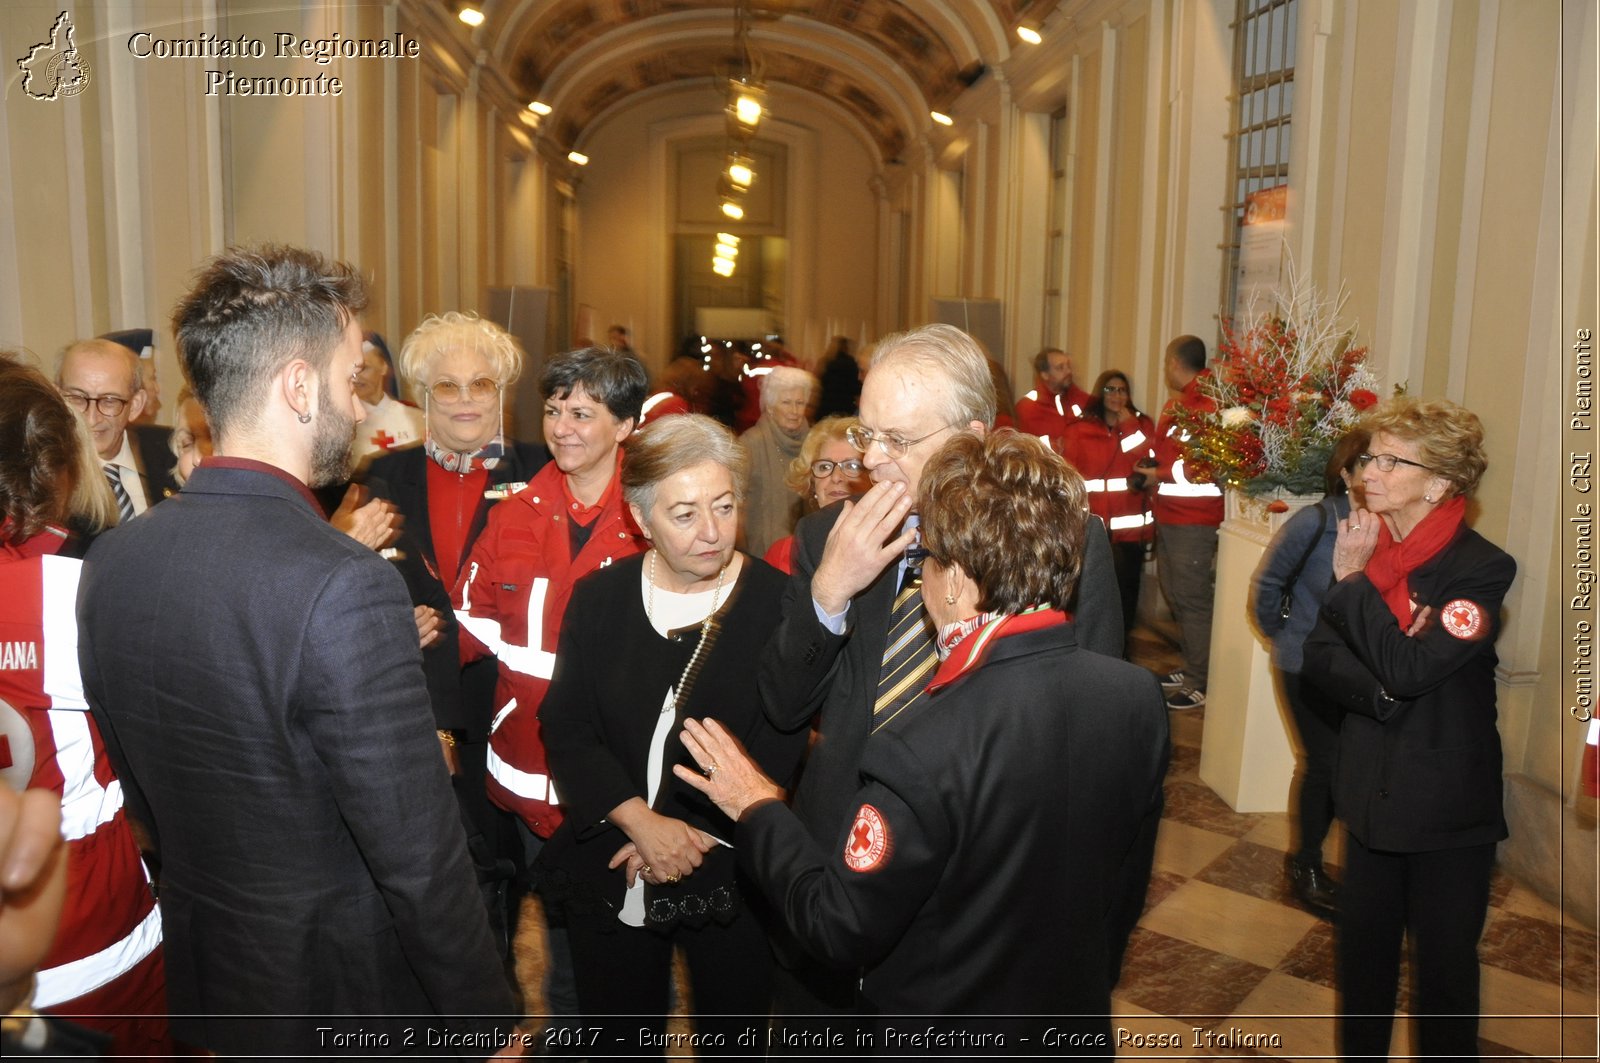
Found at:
[480, 390]
[892, 446]
[108, 405]
[822, 468]
[1387, 462]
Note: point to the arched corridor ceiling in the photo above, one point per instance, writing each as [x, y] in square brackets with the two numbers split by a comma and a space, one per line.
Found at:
[887, 63]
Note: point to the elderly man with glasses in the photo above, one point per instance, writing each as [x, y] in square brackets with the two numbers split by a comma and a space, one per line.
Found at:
[102, 380]
[855, 648]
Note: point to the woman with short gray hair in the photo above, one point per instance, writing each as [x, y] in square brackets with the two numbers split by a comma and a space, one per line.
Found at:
[640, 865]
[788, 399]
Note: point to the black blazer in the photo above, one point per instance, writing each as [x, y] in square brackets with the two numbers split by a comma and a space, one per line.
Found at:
[1419, 763]
[1016, 814]
[158, 466]
[807, 670]
[612, 673]
[256, 676]
[463, 698]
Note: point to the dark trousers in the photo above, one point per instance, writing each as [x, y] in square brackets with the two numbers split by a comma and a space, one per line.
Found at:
[1319, 740]
[626, 971]
[1127, 559]
[1441, 898]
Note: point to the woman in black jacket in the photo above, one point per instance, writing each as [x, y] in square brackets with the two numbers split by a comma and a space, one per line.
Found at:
[641, 863]
[1405, 646]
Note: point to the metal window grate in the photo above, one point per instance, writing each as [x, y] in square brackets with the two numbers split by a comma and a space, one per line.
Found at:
[1263, 64]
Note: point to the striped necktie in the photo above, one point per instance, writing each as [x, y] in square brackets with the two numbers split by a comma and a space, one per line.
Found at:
[124, 503]
[909, 655]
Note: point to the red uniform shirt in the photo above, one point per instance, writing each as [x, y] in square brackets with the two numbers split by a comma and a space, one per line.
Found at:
[1042, 414]
[1106, 457]
[1181, 499]
[513, 593]
[106, 959]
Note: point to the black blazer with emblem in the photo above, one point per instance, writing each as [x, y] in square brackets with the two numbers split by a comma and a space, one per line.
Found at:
[1016, 814]
[807, 670]
[152, 449]
[257, 679]
[462, 697]
[1419, 764]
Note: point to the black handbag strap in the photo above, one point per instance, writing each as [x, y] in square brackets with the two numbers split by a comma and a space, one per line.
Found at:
[1294, 576]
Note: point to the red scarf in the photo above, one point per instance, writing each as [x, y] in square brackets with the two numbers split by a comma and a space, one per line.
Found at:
[970, 651]
[1395, 559]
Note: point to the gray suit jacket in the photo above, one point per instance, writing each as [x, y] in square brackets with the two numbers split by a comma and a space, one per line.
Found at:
[257, 678]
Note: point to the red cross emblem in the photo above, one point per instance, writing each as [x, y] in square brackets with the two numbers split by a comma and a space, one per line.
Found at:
[868, 844]
[382, 440]
[1463, 619]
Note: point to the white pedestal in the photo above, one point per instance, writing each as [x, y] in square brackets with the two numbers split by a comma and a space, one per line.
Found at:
[1245, 755]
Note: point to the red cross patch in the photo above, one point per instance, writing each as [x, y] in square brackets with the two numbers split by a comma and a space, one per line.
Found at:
[1463, 619]
[868, 844]
[382, 440]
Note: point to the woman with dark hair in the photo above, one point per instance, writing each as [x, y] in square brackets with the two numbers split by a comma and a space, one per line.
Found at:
[1289, 587]
[105, 968]
[1000, 843]
[641, 865]
[1106, 445]
[1405, 649]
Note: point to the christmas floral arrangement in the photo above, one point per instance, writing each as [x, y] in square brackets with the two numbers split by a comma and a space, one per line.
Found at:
[1285, 384]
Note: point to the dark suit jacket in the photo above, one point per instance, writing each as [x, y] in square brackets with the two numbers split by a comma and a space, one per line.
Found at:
[1014, 814]
[462, 697]
[1419, 765]
[152, 449]
[257, 678]
[807, 670]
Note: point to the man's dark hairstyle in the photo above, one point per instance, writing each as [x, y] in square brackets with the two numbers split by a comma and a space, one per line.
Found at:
[1041, 361]
[610, 377]
[1189, 352]
[253, 310]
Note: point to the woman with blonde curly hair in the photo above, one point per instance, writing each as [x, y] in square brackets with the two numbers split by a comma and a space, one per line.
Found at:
[1405, 648]
[459, 367]
[999, 846]
[828, 469]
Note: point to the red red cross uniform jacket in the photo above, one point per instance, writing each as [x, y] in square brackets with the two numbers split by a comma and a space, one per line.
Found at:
[1106, 456]
[514, 590]
[1181, 498]
[1042, 414]
[105, 968]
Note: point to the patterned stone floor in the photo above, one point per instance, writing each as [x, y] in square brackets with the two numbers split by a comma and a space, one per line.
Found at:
[1226, 963]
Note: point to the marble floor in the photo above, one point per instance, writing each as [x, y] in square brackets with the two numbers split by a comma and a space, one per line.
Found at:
[1225, 963]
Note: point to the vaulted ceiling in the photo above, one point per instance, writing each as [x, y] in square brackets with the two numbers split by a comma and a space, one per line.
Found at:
[887, 63]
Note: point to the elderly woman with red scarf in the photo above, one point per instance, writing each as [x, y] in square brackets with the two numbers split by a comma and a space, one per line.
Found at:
[1405, 646]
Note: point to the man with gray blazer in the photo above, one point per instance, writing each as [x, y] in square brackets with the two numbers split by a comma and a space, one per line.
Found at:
[258, 678]
[854, 647]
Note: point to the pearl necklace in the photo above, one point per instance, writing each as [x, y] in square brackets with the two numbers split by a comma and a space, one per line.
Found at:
[705, 628]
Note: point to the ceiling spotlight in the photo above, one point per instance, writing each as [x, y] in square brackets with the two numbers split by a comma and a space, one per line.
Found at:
[746, 105]
[727, 250]
[739, 171]
[723, 262]
[941, 118]
[728, 238]
[470, 15]
[1029, 32]
[540, 108]
[732, 209]
[577, 158]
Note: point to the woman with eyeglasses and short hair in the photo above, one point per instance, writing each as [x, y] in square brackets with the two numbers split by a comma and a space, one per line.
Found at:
[458, 367]
[1107, 445]
[1405, 647]
[827, 470]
